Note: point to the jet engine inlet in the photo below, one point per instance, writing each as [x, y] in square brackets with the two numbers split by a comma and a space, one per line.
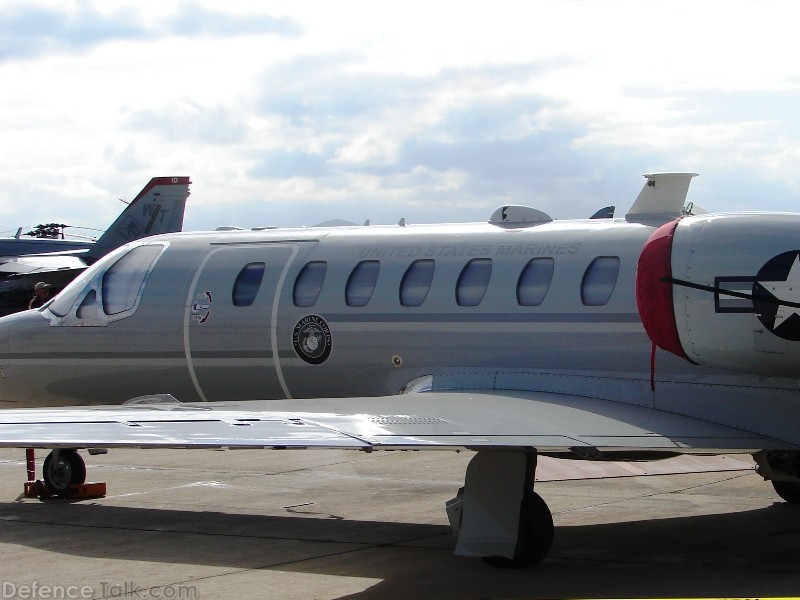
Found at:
[654, 290]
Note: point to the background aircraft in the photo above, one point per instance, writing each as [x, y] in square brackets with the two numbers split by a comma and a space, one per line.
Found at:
[48, 237]
[24, 261]
[653, 335]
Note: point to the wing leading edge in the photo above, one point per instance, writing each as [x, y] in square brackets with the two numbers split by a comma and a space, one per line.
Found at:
[482, 419]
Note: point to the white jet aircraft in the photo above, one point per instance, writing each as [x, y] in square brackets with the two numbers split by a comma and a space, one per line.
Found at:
[657, 334]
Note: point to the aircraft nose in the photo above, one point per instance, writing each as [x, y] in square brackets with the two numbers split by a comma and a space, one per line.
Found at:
[22, 336]
[18, 329]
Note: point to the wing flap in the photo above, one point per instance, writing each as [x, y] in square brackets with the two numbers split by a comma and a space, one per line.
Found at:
[547, 421]
[151, 428]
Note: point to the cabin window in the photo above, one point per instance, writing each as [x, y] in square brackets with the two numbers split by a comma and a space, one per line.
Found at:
[473, 281]
[361, 283]
[416, 282]
[247, 284]
[534, 281]
[599, 281]
[123, 282]
[309, 282]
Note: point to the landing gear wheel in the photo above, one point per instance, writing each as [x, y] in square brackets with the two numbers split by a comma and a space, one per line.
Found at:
[788, 490]
[62, 469]
[535, 534]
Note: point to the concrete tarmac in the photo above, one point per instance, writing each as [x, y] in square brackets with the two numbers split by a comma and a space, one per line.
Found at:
[333, 524]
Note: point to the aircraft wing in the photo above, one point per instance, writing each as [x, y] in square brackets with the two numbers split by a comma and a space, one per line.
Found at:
[430, 420]
[39, 263]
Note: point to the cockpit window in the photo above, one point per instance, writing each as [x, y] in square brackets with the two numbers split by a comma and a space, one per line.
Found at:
[122, 282]
[109, 290]
[247, 284]
[65, 300]
[62, 303]
[88, 308]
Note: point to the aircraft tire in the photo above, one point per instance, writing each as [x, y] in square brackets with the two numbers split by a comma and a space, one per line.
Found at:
[60, 473]
[788, 490]
[535, 534]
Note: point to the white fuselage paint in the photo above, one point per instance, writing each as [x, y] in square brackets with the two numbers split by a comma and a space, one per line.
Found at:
[171, 344]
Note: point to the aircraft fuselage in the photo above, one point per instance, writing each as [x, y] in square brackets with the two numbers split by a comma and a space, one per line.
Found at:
[187, 324]
[365, 311]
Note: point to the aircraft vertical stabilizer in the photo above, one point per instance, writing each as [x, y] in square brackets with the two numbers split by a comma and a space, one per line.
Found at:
[661, 199]
[157, 209]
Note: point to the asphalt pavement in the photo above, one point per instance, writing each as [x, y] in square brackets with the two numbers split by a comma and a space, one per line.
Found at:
[346, 524]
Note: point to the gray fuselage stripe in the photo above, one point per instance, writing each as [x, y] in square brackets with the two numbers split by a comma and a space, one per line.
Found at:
[479, 317]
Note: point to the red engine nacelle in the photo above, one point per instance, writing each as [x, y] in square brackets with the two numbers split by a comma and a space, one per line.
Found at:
[724, 290]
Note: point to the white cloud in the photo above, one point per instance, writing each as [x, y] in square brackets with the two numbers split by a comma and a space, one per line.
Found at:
[425, 110]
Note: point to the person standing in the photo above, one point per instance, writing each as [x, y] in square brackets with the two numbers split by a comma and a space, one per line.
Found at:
[41, 294]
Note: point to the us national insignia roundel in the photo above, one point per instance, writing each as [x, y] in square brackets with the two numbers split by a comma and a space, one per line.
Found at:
[312, 339]
[776, 295]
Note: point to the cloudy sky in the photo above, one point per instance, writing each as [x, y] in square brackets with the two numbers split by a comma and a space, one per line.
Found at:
[292, 113]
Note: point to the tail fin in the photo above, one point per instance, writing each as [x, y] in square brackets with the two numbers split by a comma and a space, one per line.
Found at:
[158, 208]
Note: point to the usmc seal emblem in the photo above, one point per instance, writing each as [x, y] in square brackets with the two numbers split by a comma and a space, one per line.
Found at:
[312, 339]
